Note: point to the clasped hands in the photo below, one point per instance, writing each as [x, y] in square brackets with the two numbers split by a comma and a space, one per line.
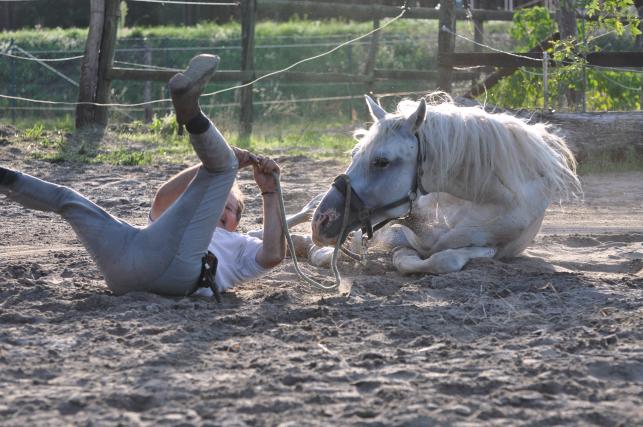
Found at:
[264, 169]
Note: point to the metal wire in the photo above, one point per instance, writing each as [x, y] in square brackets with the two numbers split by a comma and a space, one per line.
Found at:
[159, 101]
[196, 3]
[27, 58]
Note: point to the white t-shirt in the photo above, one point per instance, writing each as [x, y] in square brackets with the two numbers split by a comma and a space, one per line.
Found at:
[236, 254]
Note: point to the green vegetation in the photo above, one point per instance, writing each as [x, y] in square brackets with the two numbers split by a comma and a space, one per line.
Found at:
[406, 44]
[629, 160]
[137, 143]
[311, 126]
[320, 128]
[605, 89]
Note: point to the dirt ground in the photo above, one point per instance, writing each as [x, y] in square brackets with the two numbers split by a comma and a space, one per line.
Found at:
[554, 337]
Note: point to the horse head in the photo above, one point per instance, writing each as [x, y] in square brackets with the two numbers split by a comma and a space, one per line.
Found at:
[380, 181]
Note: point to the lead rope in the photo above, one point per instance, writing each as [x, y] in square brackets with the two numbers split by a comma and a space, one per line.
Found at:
[291, 245]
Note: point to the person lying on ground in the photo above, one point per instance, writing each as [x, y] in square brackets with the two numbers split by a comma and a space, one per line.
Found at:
[170, 255]
[241, 257]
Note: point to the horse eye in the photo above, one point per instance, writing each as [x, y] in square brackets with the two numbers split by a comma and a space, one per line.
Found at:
[381, 162]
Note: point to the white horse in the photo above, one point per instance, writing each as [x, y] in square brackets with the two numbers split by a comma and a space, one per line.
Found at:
[487, 180]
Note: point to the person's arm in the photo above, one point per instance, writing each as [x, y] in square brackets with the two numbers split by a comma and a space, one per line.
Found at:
[175, 186]
[273, 248]
[304, 215]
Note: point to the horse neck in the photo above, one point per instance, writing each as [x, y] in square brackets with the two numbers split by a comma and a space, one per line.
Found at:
[455, 184]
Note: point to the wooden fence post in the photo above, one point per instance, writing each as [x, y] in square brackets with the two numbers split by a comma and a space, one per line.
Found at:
[147, 86]
[478, 38]
[89, 65]
[566, 19]
[478, 34]
[639, 40]
[248, 17]
[493, 78]
[108, 44]
[446, 44]
[370, 59]
[13, 87]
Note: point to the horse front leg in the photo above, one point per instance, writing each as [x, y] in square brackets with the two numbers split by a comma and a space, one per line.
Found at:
[402, 236]
[408, 261]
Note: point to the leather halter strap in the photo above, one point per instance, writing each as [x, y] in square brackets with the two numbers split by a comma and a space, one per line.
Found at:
[364, 213]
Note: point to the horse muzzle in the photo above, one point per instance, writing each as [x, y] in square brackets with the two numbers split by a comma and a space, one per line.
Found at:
[328, 219]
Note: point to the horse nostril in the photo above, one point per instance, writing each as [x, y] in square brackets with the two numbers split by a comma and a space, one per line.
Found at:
[323, 219]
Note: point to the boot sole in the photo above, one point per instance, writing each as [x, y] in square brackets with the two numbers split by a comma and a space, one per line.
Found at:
[199, 71]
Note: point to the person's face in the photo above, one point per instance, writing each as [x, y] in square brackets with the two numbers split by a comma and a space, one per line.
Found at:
[228, 220]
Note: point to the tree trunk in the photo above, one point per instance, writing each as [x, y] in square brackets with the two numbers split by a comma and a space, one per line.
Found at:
[147, 87]
[248, 16]
[596, 134]
[588, 135]
[446, 43]
[107, 47]
[89, 65]
[566, 18]
[369, 67]
[639, 43]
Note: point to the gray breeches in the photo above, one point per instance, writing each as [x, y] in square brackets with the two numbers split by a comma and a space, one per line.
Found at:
[164, 257]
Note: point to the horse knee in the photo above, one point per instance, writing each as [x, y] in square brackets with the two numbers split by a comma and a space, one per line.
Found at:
[391, 237]
[452, 260]
[320, 256]
[406, 260]
[447, 261]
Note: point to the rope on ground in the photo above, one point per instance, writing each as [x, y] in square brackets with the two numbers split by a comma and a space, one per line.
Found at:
[291, 245]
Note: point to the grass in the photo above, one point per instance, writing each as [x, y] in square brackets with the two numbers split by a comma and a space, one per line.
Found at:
[627, 160]
[314, 129]
[138, 144]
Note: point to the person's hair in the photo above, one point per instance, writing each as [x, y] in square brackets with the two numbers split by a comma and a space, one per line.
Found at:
[238, 194]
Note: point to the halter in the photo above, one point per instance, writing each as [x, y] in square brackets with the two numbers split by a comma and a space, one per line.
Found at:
[364, 213]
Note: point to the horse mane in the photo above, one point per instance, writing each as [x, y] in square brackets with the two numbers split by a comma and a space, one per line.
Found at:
[477, 146]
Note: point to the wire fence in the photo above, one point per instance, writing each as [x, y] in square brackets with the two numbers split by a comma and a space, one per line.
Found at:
[25, 72]
[44, 81]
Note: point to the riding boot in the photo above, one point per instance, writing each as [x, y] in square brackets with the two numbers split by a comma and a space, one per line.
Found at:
[7, 177]
[185, 89]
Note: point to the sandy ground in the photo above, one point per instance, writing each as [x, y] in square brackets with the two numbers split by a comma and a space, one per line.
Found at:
[552, 337]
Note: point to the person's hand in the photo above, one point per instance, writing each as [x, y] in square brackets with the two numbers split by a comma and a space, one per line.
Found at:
[244, 157]
[263, 169]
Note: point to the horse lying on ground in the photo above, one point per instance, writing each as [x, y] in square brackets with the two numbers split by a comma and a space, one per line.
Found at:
[487, 180]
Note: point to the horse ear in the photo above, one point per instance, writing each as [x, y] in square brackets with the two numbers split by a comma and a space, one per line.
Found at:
[416, 119]
[377, 112]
